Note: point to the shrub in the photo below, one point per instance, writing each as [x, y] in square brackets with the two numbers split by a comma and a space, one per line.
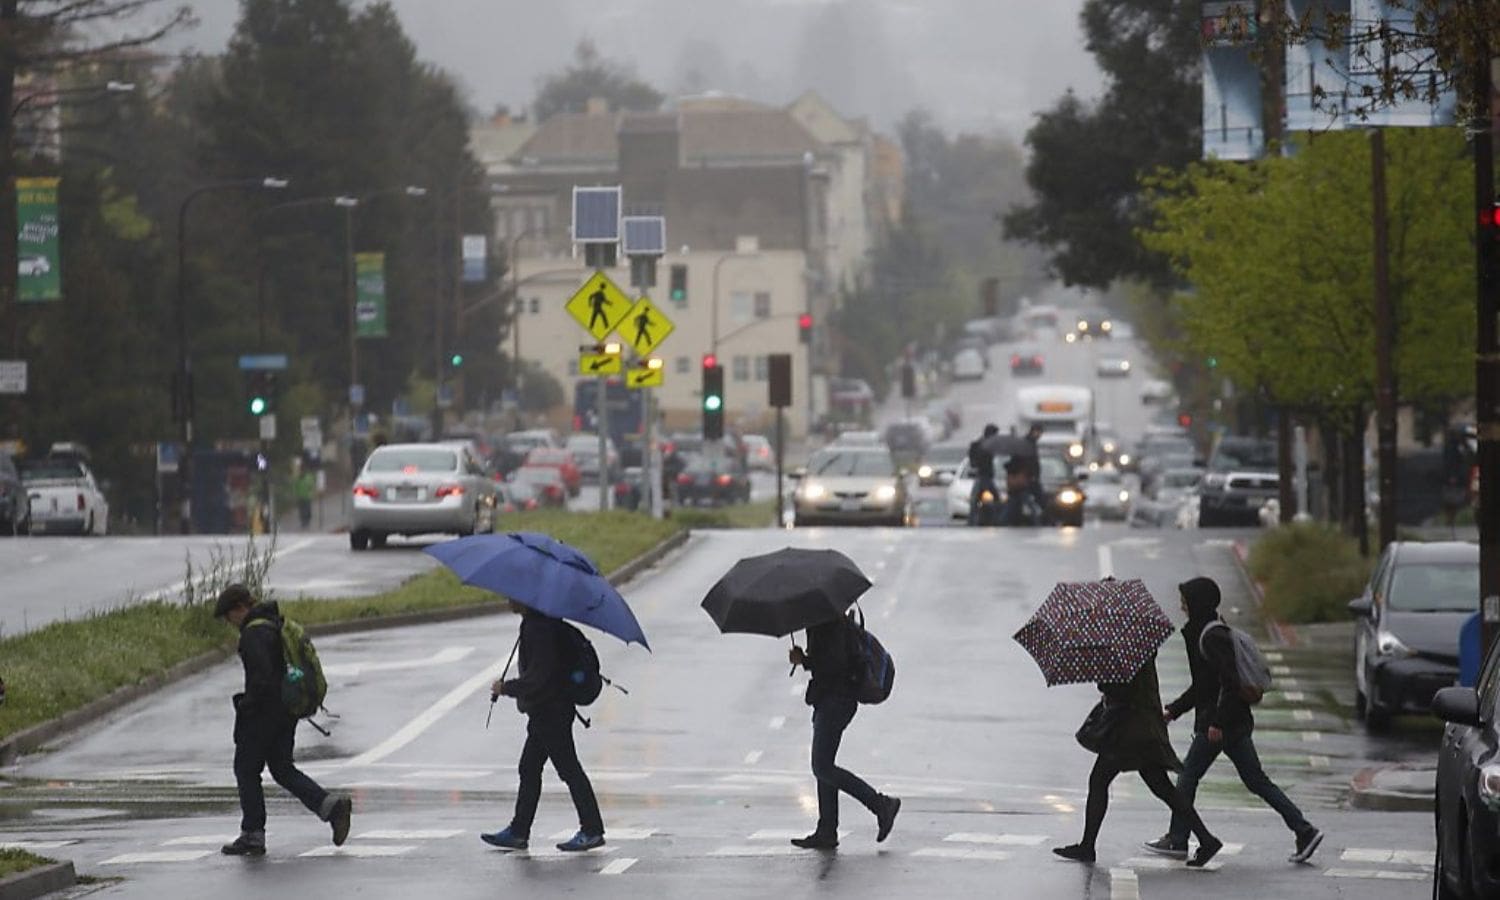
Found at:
[1310, 572]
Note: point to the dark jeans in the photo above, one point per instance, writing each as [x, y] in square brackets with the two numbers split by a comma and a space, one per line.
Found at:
[549, 735]
[1159, 783]
[263, 743]
[1241, 751]
[980, 485]
[830, 717]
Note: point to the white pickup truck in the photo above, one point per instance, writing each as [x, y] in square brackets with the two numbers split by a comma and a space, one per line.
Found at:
[65, 498]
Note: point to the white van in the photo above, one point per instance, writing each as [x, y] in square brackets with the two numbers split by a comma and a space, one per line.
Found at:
[1065, 414]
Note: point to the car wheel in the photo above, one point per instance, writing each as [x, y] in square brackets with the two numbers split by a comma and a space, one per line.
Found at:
[359, 540]
[1441, 888]
[473, 526]
[377, 541]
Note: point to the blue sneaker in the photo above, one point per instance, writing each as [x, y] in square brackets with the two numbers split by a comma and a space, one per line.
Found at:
[505, 839]
[580, 842]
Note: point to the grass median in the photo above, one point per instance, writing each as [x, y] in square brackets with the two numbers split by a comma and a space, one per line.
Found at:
[1309, 572]
[14, 862]
[61, 667]
[761, 514]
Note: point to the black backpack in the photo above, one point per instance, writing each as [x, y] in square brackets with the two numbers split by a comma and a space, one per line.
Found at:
[581, 663]
[875, 670]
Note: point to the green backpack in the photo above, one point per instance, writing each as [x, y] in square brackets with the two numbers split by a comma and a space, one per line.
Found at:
[303, 687]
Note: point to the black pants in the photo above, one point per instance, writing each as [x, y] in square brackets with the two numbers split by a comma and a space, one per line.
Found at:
[261, 743]
[549, 735]
[830, 717]
[1241, 751]
[1156, 779]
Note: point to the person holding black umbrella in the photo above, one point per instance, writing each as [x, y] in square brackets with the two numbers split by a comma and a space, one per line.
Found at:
[831, 695]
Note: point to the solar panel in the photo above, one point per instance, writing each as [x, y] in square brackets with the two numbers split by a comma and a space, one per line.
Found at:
[596, 215]
[645, 235]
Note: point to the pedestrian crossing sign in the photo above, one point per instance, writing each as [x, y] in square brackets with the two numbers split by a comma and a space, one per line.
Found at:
[644, 378]
[645, 327]
[599, 306]
[599, 364]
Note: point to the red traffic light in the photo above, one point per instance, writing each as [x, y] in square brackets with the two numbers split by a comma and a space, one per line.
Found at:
[804, 321]
[1490, 218]
[710, 361]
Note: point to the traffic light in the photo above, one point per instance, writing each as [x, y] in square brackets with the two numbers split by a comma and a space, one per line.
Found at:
[456, 360]
[1213, 362]
[262, 391]
[713, 399]
[804, 328]
[679, 283]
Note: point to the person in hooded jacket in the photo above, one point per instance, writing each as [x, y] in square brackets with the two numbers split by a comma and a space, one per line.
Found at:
[264, 732]
[1137, 742]
[1222, 723]
[831, 658]
[541, 693]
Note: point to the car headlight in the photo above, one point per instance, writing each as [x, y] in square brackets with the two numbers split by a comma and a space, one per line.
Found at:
[924, 472]
[1069, 497]
[1489, 786]
[1125, 365]
[1387, 644]
[813, 491]
[1124, 496]
[1106, 326]
[1075, 450]
[1071, 337]
[986, 496]
[1109, 446]
[885, 492]
[1215, 480]
[1083, 325]
[1124, 459]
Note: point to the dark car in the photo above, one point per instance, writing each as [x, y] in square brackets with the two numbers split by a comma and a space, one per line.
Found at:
[630, 488]
[1242, 476]
[15, 502]
[1026, 362]
[1467, 813]
[1409, 619]
[713, 479]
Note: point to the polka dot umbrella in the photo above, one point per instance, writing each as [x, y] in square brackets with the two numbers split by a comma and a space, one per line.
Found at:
[1095, 631]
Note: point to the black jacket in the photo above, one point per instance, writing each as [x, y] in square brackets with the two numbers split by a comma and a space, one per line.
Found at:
[831, 661]
[1214, 695]
[982, 461]
[541, 683]
[260, 652]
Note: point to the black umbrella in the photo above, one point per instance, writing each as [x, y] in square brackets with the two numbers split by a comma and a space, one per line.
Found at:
[1008, 445]
[781, 593]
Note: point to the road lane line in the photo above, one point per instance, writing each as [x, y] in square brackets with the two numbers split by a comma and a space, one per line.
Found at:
[618, 867]
[1006, 840]
[441, 658]
[419, 834]
[614, 834]
[363, 851]
[425, 720]
[37, 845]
[1106, 561]
[200, 840]
[777, 723]
[963, 853]
[164, 856]
[1124, 885]
[1377, 874]
[1302, 715]
[753, 757]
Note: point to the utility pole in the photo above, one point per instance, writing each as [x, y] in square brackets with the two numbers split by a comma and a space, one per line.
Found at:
[1487, 347]
[1272, 86]
[1385, 346]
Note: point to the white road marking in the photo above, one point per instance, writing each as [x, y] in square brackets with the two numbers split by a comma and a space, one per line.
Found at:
[200, 840]
[777, 723]
[963, 853]
[784, 834]
[1008, 840]
[1401, 857]
[438, 775]
[1377, 874]
[162, 856]
[744, 852]
[1302, 715]
[419, 834]
[1124, 885]
[1106, 561]
[39, 558]
[552, 853]
[614, 834]
[1319, 762]
[797, 689]
[425, 720]
[618, 867]
[363, 851]
[1273, 656]
[1162, 863]
[38, 845]
[441, 658]
[1312, 737]
[1281, 670]
[753, 757]
[618, 776]
[1295, 697]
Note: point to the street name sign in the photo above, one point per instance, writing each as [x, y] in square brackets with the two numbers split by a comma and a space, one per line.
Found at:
[599, 306]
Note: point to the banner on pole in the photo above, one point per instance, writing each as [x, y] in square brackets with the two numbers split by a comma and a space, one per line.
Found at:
[474, 258]
[38, 260]
[369, 293]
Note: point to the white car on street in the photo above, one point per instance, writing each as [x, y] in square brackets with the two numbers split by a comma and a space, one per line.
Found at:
[65, 498]
[968, 365]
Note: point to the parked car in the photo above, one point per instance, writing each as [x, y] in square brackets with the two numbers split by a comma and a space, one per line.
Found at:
[1174, 503]
[941, 464]
[968, 365]
[713, 479]
[64, 497]
[1467, 808]
[560, 459]
[851, 486]
[1408, 623]
[545, 482]
[1156, 392]
[412, 489]
[15, 503]
[1026, 362]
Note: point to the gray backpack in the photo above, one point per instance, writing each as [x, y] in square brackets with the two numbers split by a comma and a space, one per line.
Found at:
[1249, 663]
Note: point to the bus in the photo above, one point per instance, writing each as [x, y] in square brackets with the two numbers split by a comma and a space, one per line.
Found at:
[1065, 414]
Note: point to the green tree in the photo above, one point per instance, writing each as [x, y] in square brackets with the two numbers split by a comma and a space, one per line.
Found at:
[591, 76]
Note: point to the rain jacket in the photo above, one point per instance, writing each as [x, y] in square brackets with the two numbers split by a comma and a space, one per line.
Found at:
[1139, 739]
[1214, 695]
[831, 662]
[260, 706]
[540, 686]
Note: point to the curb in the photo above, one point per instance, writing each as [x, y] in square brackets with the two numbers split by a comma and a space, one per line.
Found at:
[1283, 634]
[1364, 795]
[35, 737]
[38, 882]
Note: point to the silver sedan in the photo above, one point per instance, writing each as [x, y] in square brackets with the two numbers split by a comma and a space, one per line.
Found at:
[411, 489]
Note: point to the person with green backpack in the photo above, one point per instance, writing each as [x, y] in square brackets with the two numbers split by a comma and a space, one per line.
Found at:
[283, 684]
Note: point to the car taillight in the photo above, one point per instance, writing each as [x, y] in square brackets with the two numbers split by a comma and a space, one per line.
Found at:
[80, 503]
[1036, 360]
[365, 490]
[449, 490]
[1015, 360]
[684, 479]
[723, 479]
[531, 504]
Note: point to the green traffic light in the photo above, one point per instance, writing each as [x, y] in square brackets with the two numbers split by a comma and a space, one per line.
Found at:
[457, 360]
[713, 403]
[258, 406]
[679, 295]
[1213, 362]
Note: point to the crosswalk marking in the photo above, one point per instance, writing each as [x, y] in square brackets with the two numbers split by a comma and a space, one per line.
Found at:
[784, 834]
[619, 866]
[553, 854]
[159, 856]
[615, 834]
[1401, 857]
[418, 834]
[35, 845]
[751, 851]
[972, 853]
[777, 723]
[1295, 697]
[1377, 874]
[1161, 862]
[1281, 670]
[199, 840]
[1124, 885]
[438, 775]
[1008, 840]
[361, 850]
[1319, 762]
[753, 757]
[1302, 715]
[1312, 737]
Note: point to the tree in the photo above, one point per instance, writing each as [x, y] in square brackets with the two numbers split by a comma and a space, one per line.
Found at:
[591, 76]
[1087, 158]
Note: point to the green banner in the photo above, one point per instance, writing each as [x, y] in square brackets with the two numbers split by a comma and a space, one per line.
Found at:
[38, 257]
[369, 295]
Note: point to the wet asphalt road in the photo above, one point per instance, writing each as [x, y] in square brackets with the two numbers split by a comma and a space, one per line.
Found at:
[702, 768]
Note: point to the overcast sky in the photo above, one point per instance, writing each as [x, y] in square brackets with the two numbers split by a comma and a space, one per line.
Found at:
[977, 64]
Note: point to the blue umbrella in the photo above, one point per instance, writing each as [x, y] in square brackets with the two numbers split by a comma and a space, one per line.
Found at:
[544, 574]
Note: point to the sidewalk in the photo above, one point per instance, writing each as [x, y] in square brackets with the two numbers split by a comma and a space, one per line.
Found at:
[330, 514]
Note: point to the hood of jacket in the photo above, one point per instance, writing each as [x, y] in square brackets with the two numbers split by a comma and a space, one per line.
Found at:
[266, 609]
[1202, 597]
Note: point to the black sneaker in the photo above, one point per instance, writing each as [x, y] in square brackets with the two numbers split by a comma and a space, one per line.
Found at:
[1075, 852]
[1307, 845]
[1165, 846]
[242, 846]
[817, 841]
[887, 818]
[339, 819]
[1206, 852]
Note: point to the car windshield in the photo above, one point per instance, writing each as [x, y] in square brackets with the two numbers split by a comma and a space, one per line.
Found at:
[51, 470]
[413, 460]
[1246, 455]
[837, 465]
[1435, 587]
[1054, 470]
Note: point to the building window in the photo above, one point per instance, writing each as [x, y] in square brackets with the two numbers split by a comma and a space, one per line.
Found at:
[762, 368]
[742, 368]
[684, 365]
[536, 305]
[741, 307]
[763, 304]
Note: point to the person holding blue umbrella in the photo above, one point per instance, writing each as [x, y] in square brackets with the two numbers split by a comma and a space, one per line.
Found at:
[546, 581]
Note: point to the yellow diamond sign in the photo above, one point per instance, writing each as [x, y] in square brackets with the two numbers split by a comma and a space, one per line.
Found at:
[599, 364]
[644, 378]
[598, 306]
[645, 327]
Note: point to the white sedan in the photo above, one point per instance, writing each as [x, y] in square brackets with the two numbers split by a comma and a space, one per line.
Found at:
[65, 498]
[968, 365]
